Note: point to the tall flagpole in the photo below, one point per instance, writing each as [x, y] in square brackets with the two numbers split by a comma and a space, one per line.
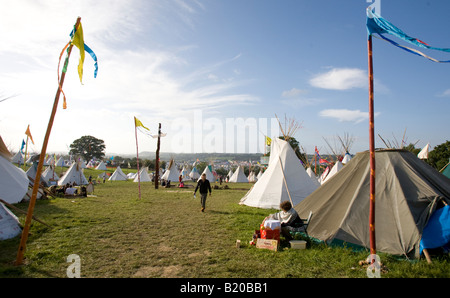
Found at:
[27, 225]
[372, 152]
[137, 158]
[157, 157]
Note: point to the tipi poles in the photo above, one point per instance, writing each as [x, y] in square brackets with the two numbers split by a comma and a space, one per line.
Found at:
[26, 227]
[372, 151]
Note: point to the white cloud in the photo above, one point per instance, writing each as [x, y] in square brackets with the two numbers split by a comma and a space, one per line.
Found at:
[446, 93]
[156, 83]
[344, 115]
[340, 79]
[294, 92]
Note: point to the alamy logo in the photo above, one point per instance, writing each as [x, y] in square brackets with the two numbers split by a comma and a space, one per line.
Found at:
[74, 269]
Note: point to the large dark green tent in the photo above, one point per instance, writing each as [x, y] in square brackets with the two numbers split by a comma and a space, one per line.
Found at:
[407, 192]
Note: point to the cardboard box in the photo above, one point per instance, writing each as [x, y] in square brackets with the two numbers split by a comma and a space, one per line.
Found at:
[298, 244]
[270, 244]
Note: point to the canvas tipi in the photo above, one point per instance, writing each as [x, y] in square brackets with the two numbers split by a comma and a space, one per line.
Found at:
[9, 223]
[73, 175]
[238, 176]
[184, 174]
[251, 177]
[101, 166]
[336, 168]
[347, 158]
[17, 158]
[49, 174]
[285, 179]
[60, 162]
[172, 174]
[118, 175]
[209, 174]
[423, 154]
[13, 180]
[407, 191]
[142, 176]
[194, 174]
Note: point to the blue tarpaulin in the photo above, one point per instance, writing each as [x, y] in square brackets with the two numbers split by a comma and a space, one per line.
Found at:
[437, 231]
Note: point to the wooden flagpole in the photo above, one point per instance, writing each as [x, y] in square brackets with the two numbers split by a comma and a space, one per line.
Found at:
[372, 151]
[26, 227]
[137, 158]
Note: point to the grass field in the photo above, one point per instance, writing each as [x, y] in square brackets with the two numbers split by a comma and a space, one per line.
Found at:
[164, 234]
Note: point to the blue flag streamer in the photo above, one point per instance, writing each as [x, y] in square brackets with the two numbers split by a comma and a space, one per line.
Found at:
[378, 25]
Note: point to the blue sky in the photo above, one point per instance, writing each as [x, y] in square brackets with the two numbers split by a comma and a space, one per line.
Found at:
[170, 61]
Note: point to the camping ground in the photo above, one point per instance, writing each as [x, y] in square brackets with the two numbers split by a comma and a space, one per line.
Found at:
[164, 234]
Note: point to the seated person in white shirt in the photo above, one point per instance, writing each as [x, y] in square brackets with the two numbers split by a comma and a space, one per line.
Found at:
[288, 218]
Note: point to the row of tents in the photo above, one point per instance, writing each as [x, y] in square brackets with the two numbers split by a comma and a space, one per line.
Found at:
[412, 198]
[408, 193]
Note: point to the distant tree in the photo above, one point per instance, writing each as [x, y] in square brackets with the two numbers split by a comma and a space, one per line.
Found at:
[88, 147]
[439, 156]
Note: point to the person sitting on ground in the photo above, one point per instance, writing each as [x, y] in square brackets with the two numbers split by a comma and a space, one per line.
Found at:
[288, 218]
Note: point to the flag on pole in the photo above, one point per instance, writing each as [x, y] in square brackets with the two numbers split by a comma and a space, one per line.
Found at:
[28, 133]
[138, 123]
[23, 146]
[377, 25]
[77, 39]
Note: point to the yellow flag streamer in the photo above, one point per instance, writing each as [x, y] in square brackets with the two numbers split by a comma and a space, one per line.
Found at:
[137, 123]
[28, 133]
[78, 41]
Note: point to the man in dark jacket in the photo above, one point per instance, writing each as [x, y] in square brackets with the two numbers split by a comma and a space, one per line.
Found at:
[203, 185]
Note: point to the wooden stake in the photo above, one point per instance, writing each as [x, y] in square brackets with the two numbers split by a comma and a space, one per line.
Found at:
[372, 151]
[26, 229]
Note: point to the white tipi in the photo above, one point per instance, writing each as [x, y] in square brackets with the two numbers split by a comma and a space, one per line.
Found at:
[238, 175]
[194, 174]
[13, 180]
[60, 162]
[336, 168]
[17, 158]
[184, 174]
[251, 177]
[209, 174]
[172, 174]
[101, 166]
[118, 175]
[9, 223]
[49, 174]
[284, 180]
[423, 154]
[73, 175]
[142, 176]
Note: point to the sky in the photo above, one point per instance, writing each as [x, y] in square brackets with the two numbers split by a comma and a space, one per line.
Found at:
[218, 73]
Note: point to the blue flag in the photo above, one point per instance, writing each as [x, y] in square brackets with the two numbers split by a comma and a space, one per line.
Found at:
[378, 25]
[23, 146]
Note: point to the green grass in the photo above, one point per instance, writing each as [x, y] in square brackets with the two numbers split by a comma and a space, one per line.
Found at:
[164, 234]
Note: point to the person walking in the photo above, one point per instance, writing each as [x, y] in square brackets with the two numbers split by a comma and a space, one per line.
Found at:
[203, 186]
